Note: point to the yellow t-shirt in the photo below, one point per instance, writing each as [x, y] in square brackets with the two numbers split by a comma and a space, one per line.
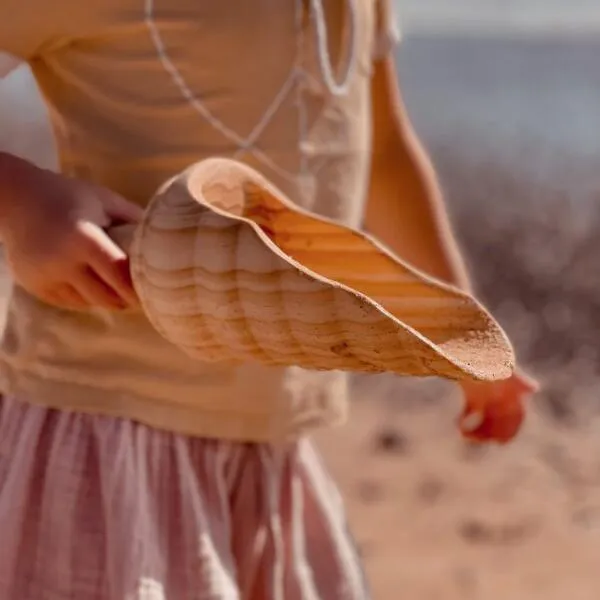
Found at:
[137, 91]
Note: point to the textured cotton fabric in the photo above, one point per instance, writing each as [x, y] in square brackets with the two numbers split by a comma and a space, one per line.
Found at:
[97, 508]
[137, 91]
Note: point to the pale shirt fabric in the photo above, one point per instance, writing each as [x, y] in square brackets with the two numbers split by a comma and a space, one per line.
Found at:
[8, 63]
[137, 91]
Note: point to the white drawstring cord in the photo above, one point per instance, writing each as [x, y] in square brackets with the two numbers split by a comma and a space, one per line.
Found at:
[336, 88]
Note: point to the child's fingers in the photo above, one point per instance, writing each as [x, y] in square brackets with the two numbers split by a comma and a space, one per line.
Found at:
[121, 210]
[65, 296]
[95, 291]
[111, 265]
[526, 384]
[116, 274]
[71, 298]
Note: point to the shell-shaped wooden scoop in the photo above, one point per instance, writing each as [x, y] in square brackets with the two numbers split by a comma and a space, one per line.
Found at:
[229, 270]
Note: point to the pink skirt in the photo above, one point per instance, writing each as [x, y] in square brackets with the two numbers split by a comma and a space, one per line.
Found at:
[96, 508]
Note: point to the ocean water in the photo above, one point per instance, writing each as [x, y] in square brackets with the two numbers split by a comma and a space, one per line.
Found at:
[505, 93]
[501, 17]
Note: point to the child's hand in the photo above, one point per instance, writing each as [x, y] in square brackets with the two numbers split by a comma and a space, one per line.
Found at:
[56, 247]
[495, 411]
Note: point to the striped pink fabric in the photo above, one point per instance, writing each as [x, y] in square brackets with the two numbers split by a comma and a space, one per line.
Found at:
[95, 508]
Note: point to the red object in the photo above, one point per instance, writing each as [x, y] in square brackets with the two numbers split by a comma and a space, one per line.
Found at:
[494, 412]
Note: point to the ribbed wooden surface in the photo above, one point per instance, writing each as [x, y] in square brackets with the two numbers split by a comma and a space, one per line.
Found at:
[229, 270]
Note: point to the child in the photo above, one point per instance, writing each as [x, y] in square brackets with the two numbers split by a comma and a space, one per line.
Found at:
[99, 499]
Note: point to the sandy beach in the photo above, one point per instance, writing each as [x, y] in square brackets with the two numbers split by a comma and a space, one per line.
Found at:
[513, 127]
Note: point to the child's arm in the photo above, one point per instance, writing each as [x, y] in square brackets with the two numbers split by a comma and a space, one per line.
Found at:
[52, 230]
[405, 211]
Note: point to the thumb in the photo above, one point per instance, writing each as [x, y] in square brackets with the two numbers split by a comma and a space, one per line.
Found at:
[120, 210]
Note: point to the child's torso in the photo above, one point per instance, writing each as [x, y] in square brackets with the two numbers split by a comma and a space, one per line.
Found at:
[137, 91]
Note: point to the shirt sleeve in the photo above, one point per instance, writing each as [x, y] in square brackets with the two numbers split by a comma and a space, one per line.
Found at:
[387, 33]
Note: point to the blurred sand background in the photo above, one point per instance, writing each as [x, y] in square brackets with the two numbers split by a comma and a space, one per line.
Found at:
[506, 96]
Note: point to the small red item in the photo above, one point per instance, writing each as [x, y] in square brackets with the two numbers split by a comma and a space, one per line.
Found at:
[494, 412]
